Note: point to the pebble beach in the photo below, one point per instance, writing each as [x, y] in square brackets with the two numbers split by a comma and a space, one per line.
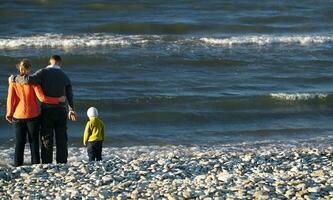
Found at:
[178, 172]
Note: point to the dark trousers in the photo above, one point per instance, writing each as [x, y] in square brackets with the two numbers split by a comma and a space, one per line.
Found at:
[54, 123]
[24, 127]
[94, 150]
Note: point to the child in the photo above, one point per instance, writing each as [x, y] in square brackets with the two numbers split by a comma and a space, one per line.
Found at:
[94, 135]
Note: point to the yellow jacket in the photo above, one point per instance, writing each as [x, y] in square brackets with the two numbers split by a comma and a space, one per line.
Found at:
[94, 131]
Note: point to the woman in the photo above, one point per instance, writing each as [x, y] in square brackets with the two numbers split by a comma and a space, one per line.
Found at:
[23, 111]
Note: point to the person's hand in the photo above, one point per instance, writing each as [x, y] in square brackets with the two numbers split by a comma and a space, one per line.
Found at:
[72, 115]
[10, 79]
[9, 119]
[62, 99]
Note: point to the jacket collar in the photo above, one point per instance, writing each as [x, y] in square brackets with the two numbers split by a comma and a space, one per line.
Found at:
[53, 66]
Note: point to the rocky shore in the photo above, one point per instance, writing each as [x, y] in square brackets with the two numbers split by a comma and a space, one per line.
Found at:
[178, 172]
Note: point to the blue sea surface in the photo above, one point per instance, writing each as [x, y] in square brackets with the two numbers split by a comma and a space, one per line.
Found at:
[182, 72]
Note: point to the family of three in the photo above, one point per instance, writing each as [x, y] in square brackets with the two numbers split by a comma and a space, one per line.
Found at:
[42, 122]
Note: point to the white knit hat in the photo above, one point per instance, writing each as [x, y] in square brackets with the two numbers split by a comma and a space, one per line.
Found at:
[92, 112]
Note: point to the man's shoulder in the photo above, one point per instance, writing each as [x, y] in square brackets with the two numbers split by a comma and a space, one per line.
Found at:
[47, 68]
[53, 71]
[40, 70]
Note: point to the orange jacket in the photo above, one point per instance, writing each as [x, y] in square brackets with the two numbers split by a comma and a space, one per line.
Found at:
[22, 102]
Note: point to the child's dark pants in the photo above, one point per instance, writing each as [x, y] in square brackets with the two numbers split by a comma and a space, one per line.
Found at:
[94, 150]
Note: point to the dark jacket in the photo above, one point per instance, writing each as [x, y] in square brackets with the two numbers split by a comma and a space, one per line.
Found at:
[54, 82]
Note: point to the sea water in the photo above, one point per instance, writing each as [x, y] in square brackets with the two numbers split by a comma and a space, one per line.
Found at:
[182, 72]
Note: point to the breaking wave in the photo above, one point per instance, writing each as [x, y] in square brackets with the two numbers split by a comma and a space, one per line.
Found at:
[269, 39]
[71, 41]
[98, 39]
[298, 96]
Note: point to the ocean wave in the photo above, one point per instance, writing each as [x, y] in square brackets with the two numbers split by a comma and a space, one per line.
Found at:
[298, 96]
[269, 39]
[71, 41]
[200, 103]
[98, 39]
[194, 107]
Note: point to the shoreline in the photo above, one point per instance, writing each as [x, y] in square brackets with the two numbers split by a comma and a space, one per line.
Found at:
[114, 142]
[179, 172]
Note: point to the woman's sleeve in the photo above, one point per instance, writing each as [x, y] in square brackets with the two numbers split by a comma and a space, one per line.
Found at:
[45, 99]
[12, 101]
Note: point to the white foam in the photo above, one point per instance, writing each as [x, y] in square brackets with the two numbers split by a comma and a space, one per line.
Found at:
[70, 41]
[268, 39]
[298, 96]
[96, 40]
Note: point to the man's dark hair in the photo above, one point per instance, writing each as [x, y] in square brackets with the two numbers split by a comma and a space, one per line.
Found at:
[57, 58]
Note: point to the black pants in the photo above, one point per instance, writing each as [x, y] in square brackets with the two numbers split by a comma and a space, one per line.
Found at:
[94, 150]
[54, 122]
[24, 127]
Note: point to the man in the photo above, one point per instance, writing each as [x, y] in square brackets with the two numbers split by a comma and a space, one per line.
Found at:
[54, 83]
